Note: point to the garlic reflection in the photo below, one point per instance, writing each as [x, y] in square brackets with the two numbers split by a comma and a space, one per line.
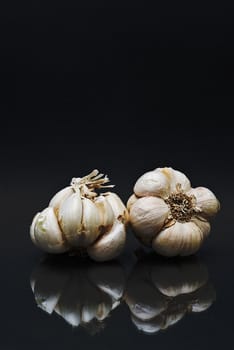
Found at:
[82, 293]
[160, 293]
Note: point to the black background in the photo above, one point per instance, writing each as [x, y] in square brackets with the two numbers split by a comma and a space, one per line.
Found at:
[123, 87]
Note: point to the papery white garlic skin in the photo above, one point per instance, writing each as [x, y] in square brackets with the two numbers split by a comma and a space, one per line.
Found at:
[109, 245]
[148, 214]
[119, 209]
[105, 211]
[132, 199]
[79, 217]
[70, 219]
[91, 222]
[203, 225]
[169, 215]
[175, 177]
[152, 183]
[46, 232]
[60, 196]
[179, 239]
[206, 201]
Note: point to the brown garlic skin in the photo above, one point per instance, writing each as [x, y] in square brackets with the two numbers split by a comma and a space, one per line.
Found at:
[83, 293]
[170, 216]
[78, 218]
[161, 292]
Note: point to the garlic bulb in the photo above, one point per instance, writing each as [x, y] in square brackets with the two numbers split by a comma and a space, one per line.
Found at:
[83, 294]
[168, 215]
[78, 218]
[161, 292]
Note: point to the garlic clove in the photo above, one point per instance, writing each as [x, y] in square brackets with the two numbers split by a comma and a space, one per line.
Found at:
[109, 245]
[206, 201]
[119, 209]
[203, 225]
[181, 179]
[106, 213]
[60, 196]
[32, 228]
[152, 183]
[91, 223]
[70, 215]
[131, 201]
[183, 238]
[47, 233]
[148, 215]
[177, 178]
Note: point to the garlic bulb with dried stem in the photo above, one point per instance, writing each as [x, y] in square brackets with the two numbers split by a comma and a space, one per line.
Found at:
[170, 216]
[78, 218]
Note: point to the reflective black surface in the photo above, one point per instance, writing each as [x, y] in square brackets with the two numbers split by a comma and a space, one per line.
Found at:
[137, 300]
